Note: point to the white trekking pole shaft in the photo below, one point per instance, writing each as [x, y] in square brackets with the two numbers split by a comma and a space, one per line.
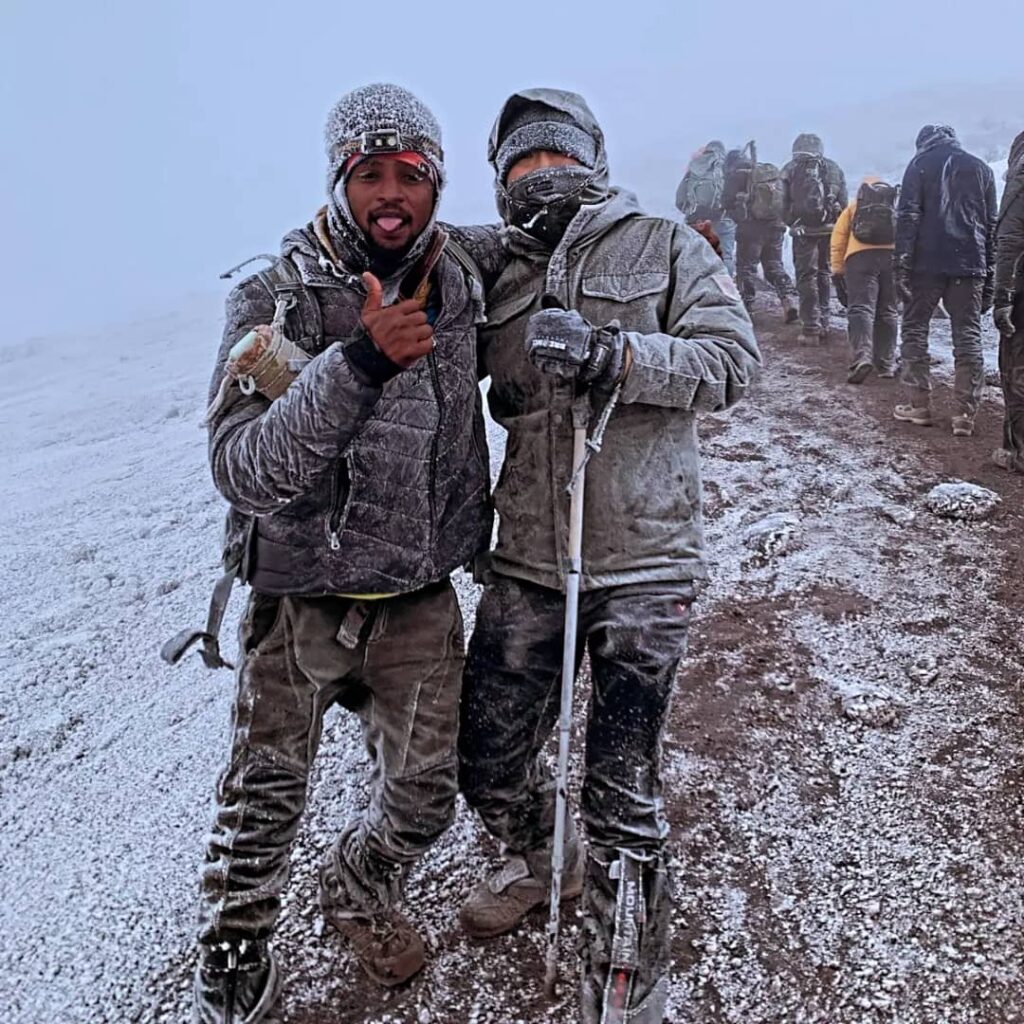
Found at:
[572, 599]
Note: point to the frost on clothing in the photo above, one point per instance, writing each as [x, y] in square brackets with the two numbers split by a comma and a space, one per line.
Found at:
[946, 217]
[357, 488]
[693, 349]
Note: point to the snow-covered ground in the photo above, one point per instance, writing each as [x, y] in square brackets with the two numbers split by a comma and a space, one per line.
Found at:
[843, 768]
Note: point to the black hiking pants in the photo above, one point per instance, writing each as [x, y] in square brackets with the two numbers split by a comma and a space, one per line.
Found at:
[873, 316]
[760, 244]
[1011, 374]
[811, 257]
[636, 636]
[962, 298]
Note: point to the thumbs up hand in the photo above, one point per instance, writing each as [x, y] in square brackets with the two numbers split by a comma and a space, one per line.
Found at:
[401, 331]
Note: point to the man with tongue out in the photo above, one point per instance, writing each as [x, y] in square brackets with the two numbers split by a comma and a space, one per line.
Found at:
[360, 488]
[640, 317]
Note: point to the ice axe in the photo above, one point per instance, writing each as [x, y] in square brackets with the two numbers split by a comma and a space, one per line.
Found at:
[582, 448]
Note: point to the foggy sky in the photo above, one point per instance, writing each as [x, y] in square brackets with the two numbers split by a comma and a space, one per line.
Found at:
[148, 146]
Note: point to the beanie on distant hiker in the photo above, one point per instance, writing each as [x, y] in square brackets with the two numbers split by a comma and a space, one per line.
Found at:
[537, 126]
[381, 118]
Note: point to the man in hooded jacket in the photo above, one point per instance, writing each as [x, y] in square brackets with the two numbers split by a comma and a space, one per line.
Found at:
[364, 484]
[945, 250]
[1009, 309]
[646, 307]
[815, 195]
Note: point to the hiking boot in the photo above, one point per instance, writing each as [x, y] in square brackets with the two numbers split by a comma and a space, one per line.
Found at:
[386, 944]
[859, 373]
[920, 416]
[1006, 459]
[790, 311]
[236, 983]
[499, 903]
[963, 425]
[887, 372]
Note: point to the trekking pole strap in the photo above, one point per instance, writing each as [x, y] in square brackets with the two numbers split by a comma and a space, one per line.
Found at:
[178, 646]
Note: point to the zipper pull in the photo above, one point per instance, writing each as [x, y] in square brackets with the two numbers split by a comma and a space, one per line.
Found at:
[335, 542]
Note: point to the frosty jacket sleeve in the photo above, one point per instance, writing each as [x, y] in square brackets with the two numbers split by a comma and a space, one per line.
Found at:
[262, 454]
[908, 218]
[991, 220]
[707, 356]
[1010, 238]
[841, 240]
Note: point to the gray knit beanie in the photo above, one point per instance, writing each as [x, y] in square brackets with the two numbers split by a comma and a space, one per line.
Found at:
[538, 126]
[381, 118]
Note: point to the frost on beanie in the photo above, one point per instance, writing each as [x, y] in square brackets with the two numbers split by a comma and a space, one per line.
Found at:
[537, 126]
[381, 118]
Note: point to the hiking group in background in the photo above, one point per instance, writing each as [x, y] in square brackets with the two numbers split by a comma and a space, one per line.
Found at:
[935, 243]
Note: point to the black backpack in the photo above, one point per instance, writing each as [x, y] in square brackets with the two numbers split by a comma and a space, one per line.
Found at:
[874, 221]
[766, 200]
[808, 190]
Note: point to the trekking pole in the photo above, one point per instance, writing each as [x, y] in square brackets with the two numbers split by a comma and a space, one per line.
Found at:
[582, 448]
[580, 417]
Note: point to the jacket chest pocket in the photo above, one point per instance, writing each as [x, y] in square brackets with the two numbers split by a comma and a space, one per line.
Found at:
[608, 297]
[503, 335]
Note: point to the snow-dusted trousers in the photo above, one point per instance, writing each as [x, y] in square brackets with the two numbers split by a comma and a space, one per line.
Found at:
[812, 255]
[873, 316]
[636, 636]
[399, 668]
[962, 298]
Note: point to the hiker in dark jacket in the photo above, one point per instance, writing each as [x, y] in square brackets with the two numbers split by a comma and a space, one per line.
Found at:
[815, 197]
[759, 240]
[699, 197]
[367, 483]
[681, 344]
[945, 249]
[1009, 310]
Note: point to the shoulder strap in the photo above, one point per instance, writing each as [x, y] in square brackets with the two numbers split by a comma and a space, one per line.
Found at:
[476, 277]
[283, 281]
[468, 264]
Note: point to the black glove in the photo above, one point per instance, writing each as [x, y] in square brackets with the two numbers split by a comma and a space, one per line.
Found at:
[901, 281]
[564, 343]
[987, 295]
[839, 282]
[1003, 314]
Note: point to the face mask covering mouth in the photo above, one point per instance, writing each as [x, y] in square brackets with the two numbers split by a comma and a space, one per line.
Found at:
[544, 202]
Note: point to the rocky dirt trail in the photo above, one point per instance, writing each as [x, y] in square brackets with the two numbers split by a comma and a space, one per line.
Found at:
[843, 770]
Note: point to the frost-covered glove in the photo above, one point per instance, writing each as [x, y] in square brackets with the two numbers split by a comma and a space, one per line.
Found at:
[564, 343]
[1003, 313]
[839, 280]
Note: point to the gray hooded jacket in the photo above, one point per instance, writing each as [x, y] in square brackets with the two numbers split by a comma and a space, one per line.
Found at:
[356, 488]
[693, 349]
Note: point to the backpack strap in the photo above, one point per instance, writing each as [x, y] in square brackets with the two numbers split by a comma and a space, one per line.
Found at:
[476, 278]
[289, 292]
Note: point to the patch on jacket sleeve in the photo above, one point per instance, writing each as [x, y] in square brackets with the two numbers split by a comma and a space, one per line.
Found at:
[727, 286]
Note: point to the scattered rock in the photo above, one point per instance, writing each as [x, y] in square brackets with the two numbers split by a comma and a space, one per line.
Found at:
[924, 669]
[773, 535]
[961, 500]
[873, 708]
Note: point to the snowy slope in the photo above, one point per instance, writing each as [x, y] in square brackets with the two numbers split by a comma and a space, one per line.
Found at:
[108, 758]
